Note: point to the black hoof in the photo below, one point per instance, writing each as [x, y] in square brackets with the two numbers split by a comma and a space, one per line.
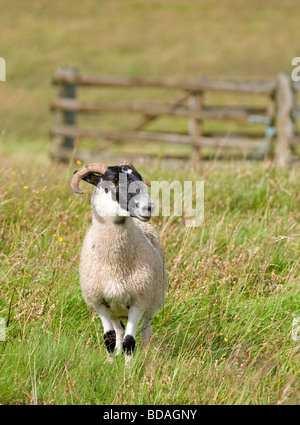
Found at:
[110, 340]
[128, 344]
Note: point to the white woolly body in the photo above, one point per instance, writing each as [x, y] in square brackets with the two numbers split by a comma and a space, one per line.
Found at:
[122, 264]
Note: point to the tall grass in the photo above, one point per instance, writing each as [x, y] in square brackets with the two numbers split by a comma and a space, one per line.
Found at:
[224, 334]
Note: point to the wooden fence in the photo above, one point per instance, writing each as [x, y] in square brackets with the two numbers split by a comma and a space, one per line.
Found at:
[278, 115]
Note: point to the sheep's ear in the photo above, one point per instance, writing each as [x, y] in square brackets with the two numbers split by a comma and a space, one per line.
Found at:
[93, 178]
[146, 182]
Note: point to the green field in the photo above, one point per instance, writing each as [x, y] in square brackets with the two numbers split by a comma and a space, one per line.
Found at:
[224, 335]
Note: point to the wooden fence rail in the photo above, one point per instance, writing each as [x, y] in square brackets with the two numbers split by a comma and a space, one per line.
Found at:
[278, 115]
[66, 76]
[241, 114]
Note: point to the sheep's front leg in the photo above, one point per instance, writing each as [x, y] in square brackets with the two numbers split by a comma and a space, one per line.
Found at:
[108, 329]
[134, 316]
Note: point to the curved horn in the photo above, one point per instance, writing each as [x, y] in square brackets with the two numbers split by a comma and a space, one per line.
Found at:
[125, 162]
[84, 171]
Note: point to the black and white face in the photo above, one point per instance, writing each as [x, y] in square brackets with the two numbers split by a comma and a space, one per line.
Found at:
[121, 192]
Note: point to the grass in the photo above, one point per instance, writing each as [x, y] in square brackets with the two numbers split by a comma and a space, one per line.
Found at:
[224, 335]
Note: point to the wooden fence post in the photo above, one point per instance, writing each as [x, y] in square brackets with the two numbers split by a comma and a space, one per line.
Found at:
[285, 124]
[65, 90]
[195, 102]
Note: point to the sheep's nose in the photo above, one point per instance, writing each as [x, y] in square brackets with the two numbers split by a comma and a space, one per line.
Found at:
[147, 209]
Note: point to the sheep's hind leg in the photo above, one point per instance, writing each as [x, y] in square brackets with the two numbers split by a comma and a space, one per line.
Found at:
[119, 329]
[134, 316]
[146, 332]
[108, 329]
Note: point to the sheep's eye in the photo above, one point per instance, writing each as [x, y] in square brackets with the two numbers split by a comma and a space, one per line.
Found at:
[106, 190]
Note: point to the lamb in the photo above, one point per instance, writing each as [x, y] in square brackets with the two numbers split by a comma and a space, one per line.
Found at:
[122, 265]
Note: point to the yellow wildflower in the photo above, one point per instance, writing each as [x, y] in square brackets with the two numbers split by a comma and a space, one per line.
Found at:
[25, 187]
[78, 162]
[225, 339]
[60, 239]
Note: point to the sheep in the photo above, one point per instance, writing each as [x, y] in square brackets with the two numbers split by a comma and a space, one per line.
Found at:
[122, 264]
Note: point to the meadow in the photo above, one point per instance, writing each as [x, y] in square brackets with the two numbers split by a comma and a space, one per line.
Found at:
[224, 335]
